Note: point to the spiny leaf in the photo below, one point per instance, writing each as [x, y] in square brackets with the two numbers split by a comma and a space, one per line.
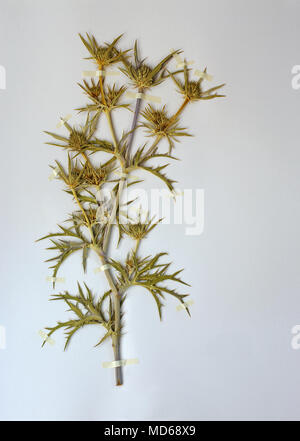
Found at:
[156, 171]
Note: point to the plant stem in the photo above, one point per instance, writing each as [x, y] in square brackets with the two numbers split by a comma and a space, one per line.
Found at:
[134, 121]
[179, 110]
[101, 85]
[111, 128]
[137, 244]
[158, 138]
[117, 312]
[117, 297]
[122, 181]
[84, 214]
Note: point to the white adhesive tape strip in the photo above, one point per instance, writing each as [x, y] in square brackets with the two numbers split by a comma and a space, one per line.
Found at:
[153, 99]
[176, 56]
[185, 63]
[55, 279]
[102, 268]
[180, 61]
[146, 97]
[64, 120]
[185, 305]
[54, 173]
[99, 73]
[133, 95]
[2, 337]
[46, 338]
[127, 176]
[203, 75]
[118, 363]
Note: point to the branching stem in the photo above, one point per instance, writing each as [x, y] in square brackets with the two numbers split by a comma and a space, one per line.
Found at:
[134, 121]
[172, 119]
[185, 102]
[116, 295]
[85, 216]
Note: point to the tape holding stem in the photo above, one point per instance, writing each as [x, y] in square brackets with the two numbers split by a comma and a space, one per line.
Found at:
[102, 268]
[119, 363]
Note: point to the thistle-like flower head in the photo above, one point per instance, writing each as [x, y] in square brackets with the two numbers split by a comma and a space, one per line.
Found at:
[91, 214]
[139, 229]
[158, 123]
[103, 55]
[193, 90]
[92, 177]
[73, 177]
[142, 75]
[79, 138]
[92, 90]
[113, 96]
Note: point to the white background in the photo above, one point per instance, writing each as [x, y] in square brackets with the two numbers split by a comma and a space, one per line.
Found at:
[233, 359]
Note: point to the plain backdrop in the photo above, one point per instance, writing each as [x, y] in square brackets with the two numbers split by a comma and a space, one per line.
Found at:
[233, 359]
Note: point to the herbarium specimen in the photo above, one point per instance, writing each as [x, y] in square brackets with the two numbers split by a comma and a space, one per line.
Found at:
[89, 227]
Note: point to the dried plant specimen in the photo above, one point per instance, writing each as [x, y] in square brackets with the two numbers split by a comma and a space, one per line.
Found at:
[89, 227]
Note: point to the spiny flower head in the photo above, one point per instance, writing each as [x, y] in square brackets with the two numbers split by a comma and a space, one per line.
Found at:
[91, 214]
[92, 90]
[192, 90]
[113, 95]
[79, 138]
[103, 55]
[72, 178]
[139, 229]
[142, 75]
[159, 124]
[91, 176]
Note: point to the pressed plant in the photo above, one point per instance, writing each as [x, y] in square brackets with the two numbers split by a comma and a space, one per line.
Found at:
[90, 226]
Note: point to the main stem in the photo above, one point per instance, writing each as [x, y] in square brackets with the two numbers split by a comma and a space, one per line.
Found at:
[116, 295]
[122, 183]
[134, 121]
[99, 251]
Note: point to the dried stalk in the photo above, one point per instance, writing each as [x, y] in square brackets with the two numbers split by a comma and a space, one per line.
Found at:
[81, 181]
